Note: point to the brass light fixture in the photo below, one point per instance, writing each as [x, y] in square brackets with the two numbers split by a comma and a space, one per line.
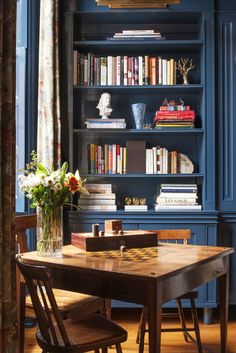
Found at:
[118, 4]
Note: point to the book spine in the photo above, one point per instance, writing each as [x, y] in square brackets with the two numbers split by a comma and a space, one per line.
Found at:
[118, 69]
[113, 159]
[109, 70]
[124, 160]
[125, 70]
[75, 67]
[110, 160]
[140, 70]
[103, 70]
[146, 81]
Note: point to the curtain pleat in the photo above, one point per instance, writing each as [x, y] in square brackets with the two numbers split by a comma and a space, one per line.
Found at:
[49, 125]
[8, 326]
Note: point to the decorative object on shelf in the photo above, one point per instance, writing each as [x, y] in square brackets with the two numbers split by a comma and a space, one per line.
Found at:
[185, 164]
[119, 4]
[49, 190]
[135, 201]
[128, 201]
[184, 65]
[104, 105]
[139, 113]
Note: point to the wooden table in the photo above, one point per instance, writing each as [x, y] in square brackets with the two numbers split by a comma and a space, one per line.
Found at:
[169, 271]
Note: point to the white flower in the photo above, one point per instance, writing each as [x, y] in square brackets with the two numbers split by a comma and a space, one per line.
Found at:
[58, 186]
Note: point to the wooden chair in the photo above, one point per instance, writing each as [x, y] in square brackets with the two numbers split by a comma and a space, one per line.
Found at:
[182, 236]
[71, 335]
[70, 304]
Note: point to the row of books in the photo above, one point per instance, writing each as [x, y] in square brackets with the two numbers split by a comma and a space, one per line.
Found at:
[107, 159]
[100, 198]
[161, 161]
[123, 70]
[174, 118]
[105, 123]
[177, 197]
[111, 159]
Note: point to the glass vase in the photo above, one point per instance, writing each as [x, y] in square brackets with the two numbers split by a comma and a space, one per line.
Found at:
[49, 232]
[139, 113]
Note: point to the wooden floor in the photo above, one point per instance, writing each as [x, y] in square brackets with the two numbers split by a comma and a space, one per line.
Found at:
[171, 342]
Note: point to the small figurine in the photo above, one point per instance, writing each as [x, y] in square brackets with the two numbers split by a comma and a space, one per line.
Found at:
[184, 66]
[104, 105]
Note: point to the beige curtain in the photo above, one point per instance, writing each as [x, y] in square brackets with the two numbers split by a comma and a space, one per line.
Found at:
[7, 177]
[49, 126]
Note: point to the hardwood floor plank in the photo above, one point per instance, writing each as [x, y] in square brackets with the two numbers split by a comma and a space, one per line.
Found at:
[171, 342]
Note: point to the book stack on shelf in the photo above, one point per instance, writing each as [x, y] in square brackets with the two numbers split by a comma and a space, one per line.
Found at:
[160, 161]
[177, 197]
[100, 198]
[137, 34]
[107, 159]
[177, 116]
[123, 70]
[105, 123]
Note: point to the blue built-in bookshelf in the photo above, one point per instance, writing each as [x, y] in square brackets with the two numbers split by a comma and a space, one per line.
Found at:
[188, 30]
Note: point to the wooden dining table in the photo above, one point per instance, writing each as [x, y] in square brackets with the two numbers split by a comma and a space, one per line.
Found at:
[147, 276]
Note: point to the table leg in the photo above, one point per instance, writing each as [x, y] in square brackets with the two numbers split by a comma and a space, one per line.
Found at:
[154, 319]
[224, 302]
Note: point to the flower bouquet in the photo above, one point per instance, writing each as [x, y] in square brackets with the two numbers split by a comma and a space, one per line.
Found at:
[49, 190]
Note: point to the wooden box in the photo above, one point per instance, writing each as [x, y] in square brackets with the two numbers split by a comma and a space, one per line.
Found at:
[130, 238]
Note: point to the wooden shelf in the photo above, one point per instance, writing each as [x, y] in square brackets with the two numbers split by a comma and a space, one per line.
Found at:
[159, 131]
[147, 46]
[172, 89]
[141, 175]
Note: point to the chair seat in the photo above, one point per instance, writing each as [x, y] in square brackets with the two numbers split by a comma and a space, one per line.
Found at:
[70, 302]
[89, 334]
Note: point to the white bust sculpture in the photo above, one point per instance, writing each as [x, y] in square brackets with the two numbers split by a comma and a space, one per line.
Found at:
[104, 105]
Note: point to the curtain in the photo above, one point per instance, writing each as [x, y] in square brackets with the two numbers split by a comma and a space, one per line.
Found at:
[7, 177]
[49, 125]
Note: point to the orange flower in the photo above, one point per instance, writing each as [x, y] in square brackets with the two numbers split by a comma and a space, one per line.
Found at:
[73, 184]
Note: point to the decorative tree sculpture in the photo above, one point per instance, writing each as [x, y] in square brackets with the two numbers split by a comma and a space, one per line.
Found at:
[184, 66]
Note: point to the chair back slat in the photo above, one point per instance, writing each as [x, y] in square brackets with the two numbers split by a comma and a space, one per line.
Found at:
[37, 279]
[22, 223]
[174, 235]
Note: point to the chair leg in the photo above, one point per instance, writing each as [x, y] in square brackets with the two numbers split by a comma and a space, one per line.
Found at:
[22, 317]
[196, 326]
[104, 349]
[141, 330]
[118, 348]
[182, 319]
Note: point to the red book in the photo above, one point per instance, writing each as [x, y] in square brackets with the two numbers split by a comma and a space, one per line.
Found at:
[176, 113]
[174, 118]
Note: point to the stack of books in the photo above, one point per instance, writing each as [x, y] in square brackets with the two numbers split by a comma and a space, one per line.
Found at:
[137, 34]
[100, 198]
[105, 123]
[174, 116]
[177, 197]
